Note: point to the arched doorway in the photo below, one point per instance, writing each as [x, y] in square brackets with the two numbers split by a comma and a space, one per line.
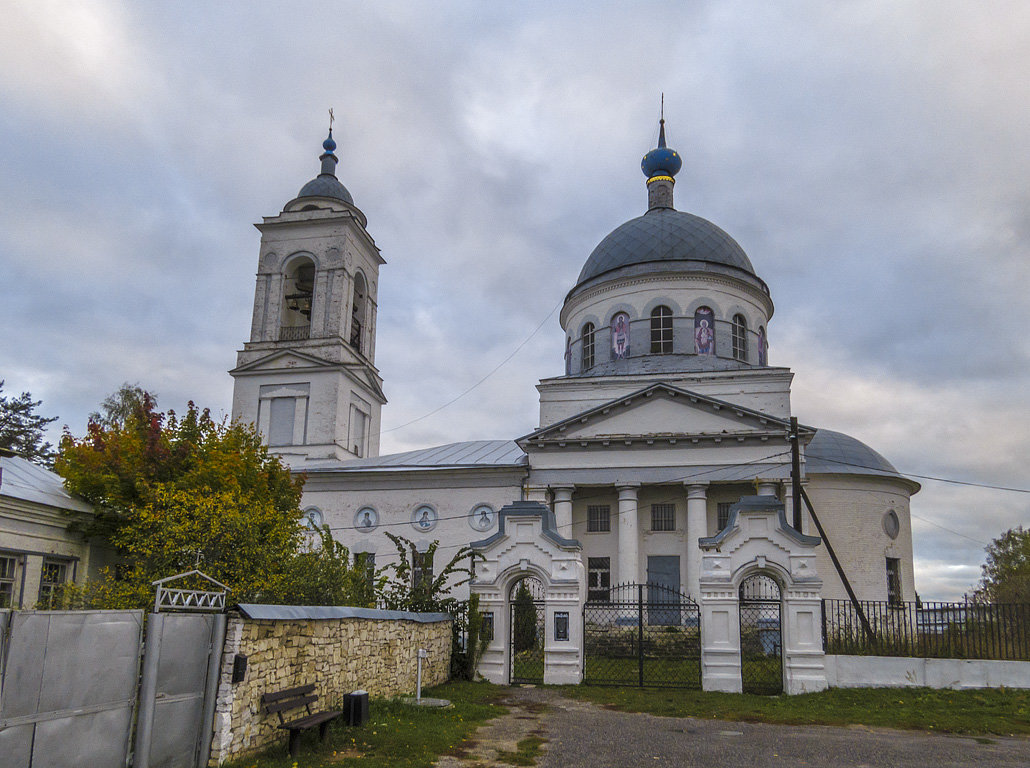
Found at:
[761, 638]
[526, 623]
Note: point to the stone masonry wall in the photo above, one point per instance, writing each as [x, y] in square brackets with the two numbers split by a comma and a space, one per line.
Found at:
[338, 655]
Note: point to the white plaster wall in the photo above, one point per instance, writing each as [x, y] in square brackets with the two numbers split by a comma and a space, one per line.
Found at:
[894, 672]
[851, 510]
[762, 389]
[395, 499]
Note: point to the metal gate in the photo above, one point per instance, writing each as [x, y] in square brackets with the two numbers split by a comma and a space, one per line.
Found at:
[761, 642]
[178, 691]
[68, 687]
[643, 634]
[526, 622]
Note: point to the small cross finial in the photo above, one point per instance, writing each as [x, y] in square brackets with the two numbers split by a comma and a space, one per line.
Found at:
[331, 118]
[661, 114]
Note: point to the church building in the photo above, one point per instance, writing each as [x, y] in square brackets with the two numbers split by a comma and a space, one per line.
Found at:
[666, 409]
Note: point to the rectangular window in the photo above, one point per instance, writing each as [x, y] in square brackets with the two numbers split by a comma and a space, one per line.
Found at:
[723, 514]
[488, 625]
[561, 625]
[599, 578]
[282, 414]
[366, 562]
[8, 565]
[422, 569]
[588, 347]
[663, 517]
[53, 577]
[358, 432]
[661, 331]
[894, 581]
[599, 518]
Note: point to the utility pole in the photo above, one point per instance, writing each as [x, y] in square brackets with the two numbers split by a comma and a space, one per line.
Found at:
[795, 472]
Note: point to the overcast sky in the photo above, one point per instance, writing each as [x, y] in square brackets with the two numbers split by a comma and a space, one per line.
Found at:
[871, 158]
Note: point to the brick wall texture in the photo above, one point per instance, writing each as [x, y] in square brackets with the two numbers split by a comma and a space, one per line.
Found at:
[337, 655]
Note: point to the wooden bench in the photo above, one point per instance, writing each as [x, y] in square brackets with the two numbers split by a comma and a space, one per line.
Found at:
[295, 698]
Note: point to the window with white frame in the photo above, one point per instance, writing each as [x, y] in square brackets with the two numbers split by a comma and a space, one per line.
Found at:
[661, 331]
[282, 413]
[663, 517]
[53, 576]
[587, 338]
[599, 518]
[8, 567]
[599, 578]
[739, 338]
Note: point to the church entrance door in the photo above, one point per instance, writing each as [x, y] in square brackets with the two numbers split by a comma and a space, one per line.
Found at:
[527, 624]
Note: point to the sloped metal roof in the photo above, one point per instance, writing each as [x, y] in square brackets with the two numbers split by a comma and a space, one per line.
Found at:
[471, 453]
[21, 479]
[836, 453]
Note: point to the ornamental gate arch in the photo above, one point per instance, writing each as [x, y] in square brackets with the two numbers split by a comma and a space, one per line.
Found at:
[527, 551]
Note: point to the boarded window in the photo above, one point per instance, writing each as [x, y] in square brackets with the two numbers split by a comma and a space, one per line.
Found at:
[281, 417]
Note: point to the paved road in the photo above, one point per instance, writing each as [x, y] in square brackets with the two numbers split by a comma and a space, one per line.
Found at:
[582, 735]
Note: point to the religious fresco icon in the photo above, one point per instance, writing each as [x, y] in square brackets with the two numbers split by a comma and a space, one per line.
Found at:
[704, 331]
[620, 336]
[366, 519]
[763, 347]
[424, 518]
[482, 517]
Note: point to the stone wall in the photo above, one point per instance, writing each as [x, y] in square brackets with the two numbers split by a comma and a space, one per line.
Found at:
[338, 649]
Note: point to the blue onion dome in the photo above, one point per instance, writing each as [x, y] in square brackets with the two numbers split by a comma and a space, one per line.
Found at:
[661, 161]
[326, 184]
[329, 145]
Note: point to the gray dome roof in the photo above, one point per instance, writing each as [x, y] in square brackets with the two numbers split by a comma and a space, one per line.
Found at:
[326, 185]
[836, 453]
[665, 235]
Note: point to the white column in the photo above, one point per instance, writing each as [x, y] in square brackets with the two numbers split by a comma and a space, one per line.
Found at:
[768, 487]
[629, 538]
[697, 527]
[563, 511]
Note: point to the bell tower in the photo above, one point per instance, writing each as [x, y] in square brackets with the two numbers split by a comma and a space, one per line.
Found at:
[307, 377]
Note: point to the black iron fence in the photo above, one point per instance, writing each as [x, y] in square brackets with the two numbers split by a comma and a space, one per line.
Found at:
[927, 630]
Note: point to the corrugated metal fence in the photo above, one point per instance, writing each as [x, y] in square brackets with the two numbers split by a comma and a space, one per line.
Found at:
[71, 691]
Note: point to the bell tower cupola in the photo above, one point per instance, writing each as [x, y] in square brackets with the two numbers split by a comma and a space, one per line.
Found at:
[307, 377]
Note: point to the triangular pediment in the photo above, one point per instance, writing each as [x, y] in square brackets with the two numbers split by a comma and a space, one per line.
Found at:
[287, 358]
[659, 410]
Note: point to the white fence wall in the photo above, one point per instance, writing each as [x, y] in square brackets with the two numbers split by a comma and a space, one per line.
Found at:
[904, 672]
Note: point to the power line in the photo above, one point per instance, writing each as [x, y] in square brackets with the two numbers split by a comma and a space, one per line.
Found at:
[922, 477]
[474, 386]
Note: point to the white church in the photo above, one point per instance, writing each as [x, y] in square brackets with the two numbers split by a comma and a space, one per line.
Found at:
[665, 411]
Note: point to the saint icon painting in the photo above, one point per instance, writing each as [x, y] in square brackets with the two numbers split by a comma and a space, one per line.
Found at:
[424, 518]
[704, 331]
[482, 517]
[366, 519]
[620, 336]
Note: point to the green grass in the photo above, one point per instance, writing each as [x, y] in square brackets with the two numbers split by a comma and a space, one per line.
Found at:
[990, 711]
[396, 735]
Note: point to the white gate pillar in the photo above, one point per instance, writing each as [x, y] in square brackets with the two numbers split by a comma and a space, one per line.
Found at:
[758, 539]
[526, 543]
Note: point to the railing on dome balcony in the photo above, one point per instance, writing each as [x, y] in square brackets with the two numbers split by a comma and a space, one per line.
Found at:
[683, 343]
[294, 332]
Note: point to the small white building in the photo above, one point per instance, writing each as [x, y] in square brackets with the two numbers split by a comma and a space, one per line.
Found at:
[665, 412]
[38, 552]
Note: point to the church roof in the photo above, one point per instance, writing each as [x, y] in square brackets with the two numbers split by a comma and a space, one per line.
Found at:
[325, 185]
[471, 453]
[836, 453]
[21, 479]
[665, 235]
